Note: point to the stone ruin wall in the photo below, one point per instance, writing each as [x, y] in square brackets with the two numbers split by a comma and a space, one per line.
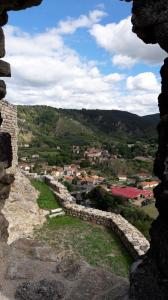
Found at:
[134, 241]
[9, 125]
[8, 116]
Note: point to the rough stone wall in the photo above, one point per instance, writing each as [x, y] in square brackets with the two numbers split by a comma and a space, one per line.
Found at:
[21, 209]
[132, 238]
[8, 131]
[149, 276]
[9, 125]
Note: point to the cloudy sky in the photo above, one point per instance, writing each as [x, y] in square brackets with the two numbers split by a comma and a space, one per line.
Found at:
[81, 54]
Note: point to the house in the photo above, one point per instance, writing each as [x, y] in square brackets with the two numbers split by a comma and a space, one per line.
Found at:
[122, 177]
[90, 180]
[92, 153]
[71, 170]
[25, 167]
[26, 145]
[57, 172]
[23, 158]
[132, 193]
[35, 156]
[143, 175]
[149, 184]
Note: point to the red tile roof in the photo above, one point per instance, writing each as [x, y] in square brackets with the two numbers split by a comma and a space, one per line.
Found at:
[130, 192]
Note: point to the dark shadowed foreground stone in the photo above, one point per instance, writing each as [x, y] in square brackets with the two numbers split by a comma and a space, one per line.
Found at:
[18, 4]
[5, 70]
[146, 281]
[41, 290]
[150, 22]
[2, 43]
[149, 276]
[6, 155]
[6, 5]
[94, 283]
[2, 89]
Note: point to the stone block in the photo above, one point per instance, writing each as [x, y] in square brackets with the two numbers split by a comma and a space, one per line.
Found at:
[5, 70]
[46, 254]
[41, 290]
[3, 18]
[2, 43]
[2, 89]
[57, 215]
[7, 5]
[20, 270]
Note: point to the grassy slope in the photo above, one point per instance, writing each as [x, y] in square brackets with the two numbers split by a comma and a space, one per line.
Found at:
[96, 244]
[46, 199]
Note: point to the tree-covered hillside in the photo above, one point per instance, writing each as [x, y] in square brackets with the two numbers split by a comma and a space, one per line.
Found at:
[52, 132]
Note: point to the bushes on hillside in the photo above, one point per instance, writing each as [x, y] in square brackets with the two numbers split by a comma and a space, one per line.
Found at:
[101, 199]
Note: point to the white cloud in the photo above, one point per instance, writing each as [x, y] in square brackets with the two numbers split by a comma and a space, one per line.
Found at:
[47, 72]
[118, 39]
[123, 61]
[143, 82]
[71, 25]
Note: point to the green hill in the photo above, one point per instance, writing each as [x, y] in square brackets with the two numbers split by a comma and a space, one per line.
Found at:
[46, 129]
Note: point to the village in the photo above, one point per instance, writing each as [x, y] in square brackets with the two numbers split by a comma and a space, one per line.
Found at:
[79, 180]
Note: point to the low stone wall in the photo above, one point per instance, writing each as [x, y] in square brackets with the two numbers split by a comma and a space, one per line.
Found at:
[132, 238]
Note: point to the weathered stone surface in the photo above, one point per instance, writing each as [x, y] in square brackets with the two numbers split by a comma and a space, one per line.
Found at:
[5, 149]
[21, 209]
[2, 89]
[70, 268]
[150, 23]
[95, 282]
[17, 4]
[3, 229]
[45, 253]
[42, 290]
[9, 125]
[20, 269]
[6, 5]
[29, 278]
[5, 70]
[2, 43]
[149, 277]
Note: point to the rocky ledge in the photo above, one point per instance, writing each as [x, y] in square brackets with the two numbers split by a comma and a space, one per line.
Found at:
[32, 271]
[21, 209]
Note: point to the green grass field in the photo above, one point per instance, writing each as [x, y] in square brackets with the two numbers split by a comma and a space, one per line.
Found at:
[46, 199]
[95, 244]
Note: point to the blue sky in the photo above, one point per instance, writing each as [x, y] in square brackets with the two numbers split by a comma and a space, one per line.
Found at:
[69, 53]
